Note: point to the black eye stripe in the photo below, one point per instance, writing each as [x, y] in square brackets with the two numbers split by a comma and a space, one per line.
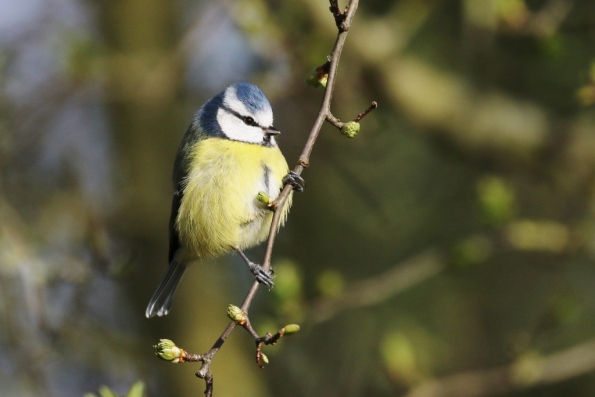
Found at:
[248, 120]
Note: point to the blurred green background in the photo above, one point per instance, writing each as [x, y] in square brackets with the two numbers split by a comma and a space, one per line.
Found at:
[447, 250]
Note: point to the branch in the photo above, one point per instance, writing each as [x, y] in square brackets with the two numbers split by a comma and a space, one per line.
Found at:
[343, 21]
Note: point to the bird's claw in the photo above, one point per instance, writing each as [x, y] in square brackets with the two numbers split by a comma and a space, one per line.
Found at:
[296, 181]
[262, 275]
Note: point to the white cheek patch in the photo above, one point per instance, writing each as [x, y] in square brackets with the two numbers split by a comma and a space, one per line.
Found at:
[235, 129]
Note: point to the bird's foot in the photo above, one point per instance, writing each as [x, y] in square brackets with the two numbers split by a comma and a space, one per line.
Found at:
[296, 181]
[262, 275]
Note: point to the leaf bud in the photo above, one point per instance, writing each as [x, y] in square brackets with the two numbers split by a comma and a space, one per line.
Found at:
[264, 358]
[350, 129]
[167, 350]
[291, 329]
[236, 314]
[318, 77]
[263, 198]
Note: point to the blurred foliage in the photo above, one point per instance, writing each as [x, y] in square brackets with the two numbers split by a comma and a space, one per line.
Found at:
[461, 217]
[497, 200]
[137, 390]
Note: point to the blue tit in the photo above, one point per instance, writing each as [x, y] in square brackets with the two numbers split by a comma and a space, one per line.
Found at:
[228, 155]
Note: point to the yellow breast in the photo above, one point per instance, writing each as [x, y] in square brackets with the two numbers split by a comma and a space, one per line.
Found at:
[219, 209]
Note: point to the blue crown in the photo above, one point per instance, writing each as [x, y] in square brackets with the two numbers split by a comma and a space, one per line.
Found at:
[251, 96]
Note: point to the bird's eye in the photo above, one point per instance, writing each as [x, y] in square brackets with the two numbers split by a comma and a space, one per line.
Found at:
[249, 121]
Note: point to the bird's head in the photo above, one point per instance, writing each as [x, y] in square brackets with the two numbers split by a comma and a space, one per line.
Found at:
[241, 113]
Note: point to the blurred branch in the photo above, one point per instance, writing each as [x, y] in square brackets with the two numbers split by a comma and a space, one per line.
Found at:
[547, 20]
[379, 288]
[528, 371]
[484, 122]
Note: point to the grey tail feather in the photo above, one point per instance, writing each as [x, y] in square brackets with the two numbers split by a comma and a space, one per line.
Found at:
[162, 298]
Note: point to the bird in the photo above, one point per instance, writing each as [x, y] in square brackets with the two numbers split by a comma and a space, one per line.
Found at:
[228, 156]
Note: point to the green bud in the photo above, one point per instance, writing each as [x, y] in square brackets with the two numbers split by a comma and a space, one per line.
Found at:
[264, 358]
[263, 198]
[317, 77]
[291, 329]
[350, 129]
[167, 350]
[236, 314]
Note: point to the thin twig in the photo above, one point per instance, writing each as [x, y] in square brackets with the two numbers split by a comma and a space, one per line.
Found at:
[360, 116]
